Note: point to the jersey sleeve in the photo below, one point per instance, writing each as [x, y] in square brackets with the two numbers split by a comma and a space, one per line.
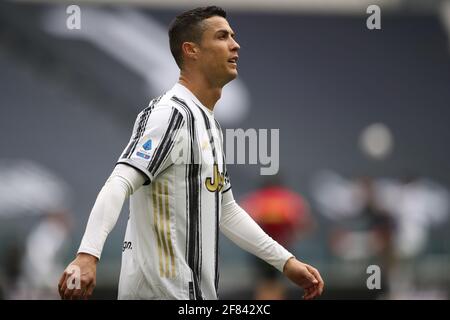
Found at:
[227, 183]
[156, 133]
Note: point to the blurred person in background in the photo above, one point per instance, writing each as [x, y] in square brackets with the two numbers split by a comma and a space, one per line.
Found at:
[367, 235]
[285, 216]
[384, 221]
[41, 263]
[417, 204]
[174, 254]
[33, 261]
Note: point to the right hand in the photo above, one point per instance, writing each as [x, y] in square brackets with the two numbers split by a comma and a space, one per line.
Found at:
[86, 278]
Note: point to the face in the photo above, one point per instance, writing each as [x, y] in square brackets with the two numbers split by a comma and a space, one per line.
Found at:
[218, 51]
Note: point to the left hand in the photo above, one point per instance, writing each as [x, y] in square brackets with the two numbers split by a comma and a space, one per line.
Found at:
[304, 276]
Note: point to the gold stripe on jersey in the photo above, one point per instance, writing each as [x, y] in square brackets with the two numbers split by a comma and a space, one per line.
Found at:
[162, 230]
[155, 224]
[167, 210]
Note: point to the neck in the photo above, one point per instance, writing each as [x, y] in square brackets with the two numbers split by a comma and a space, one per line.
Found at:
[205, 91]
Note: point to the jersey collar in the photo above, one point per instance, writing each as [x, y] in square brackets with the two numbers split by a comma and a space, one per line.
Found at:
[179, 87]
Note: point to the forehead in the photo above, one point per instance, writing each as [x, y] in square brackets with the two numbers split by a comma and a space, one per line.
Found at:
[216, 23]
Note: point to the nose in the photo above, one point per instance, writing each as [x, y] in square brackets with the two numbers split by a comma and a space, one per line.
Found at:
[235, 46]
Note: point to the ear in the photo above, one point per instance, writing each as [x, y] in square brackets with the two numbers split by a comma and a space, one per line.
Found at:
[190, 50]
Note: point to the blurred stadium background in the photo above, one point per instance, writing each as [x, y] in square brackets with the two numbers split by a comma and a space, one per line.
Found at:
[364, 119]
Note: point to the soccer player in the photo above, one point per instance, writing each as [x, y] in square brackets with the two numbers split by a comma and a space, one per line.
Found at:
[173, 170]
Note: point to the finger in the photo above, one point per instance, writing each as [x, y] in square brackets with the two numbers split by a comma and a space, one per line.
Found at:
[61, 285]
[68, 294]
[314, 293]
[76, 294]
[83, 293]
[85, 285]
[316, 273]
[61, 281]
[310, 278]
[68, 287]
[306, 293]
[311, 293]
[321, 283]
[90, 290]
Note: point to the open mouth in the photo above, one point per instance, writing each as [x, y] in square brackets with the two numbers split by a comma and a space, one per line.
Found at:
[233, 60]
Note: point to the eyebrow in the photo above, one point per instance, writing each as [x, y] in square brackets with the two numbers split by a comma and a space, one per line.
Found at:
[226, 32]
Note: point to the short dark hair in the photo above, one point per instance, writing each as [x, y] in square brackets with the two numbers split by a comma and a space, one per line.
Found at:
[186, 27]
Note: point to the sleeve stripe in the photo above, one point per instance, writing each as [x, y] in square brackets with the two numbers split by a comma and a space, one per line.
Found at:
[167, 142]
[140, 129]
[195, 151]
[228, 189]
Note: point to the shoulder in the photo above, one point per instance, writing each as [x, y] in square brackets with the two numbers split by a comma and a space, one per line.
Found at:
[182, 105]
[163, 107]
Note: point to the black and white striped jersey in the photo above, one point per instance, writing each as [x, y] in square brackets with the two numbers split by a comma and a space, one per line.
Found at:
[171, 242]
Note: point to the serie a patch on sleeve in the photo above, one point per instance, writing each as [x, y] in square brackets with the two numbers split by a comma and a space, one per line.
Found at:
[144, 151]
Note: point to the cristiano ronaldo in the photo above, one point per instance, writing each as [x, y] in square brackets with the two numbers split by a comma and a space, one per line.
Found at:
[179, 201]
